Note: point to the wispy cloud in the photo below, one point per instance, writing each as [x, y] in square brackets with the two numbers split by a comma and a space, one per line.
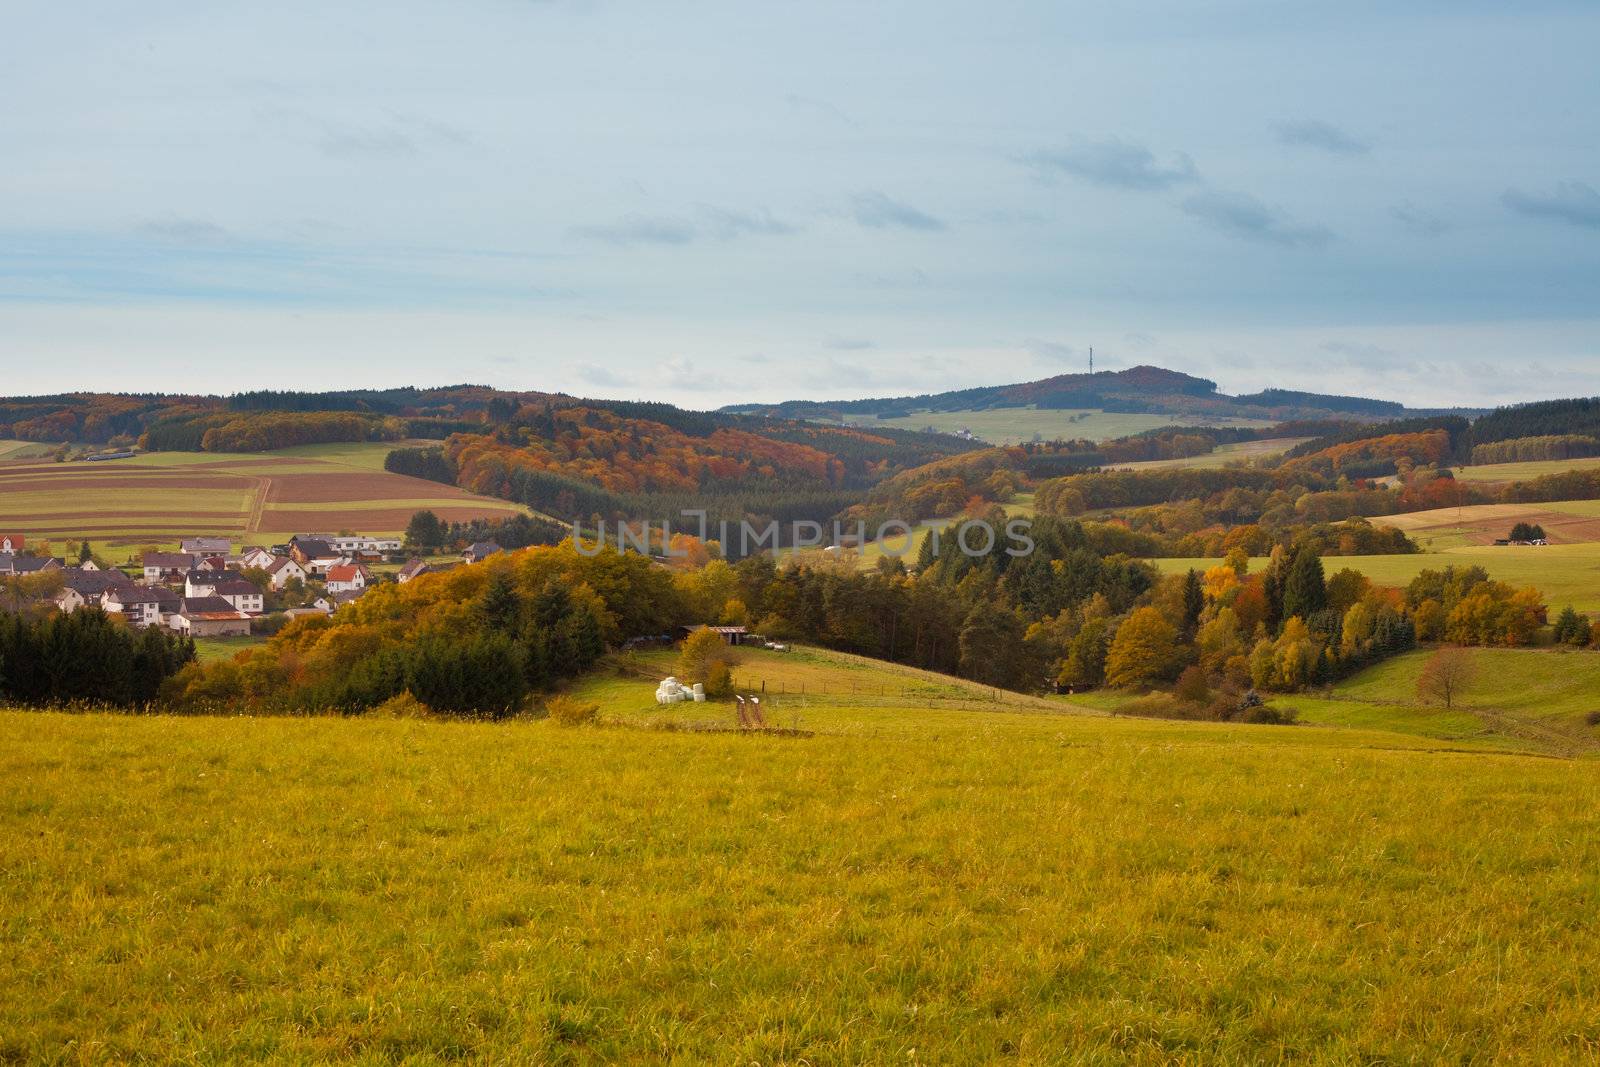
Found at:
[1245, 216]
[1575, 203]
[1114, 163]
[389, 134]
[603, 377]
[848, 344]
[879, 211]
[1314, 133]
[708, 222]
[1418, 220]
[185, 230]
[1053, 351]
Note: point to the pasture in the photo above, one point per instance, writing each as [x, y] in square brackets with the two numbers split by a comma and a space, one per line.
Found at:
[926, 882]
[1241, 452]
[1010, 426]
[157, 498]
[1565, 574]
[1524, 472]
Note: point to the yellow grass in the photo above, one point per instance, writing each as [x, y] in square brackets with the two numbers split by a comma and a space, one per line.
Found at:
[1009, 426]
[956, 886]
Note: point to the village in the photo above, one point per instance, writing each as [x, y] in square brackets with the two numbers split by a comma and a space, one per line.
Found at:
[206, 589]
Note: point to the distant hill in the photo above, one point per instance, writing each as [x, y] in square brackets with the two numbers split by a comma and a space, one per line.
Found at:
[1137, 390]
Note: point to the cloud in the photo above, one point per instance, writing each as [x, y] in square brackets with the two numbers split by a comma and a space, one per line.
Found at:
[641, 230]
[186, 230]
[1114, 163]
[1368, 356]
[681, 373]
[725, 225]
[848, 344]
[1054, 351]
[1244, 216]
[604, 377]
[391, 135]
[1576, 203]
[1136, 339]
[1314, 133]
[715, 223]
[878, 211]
[1418, 220]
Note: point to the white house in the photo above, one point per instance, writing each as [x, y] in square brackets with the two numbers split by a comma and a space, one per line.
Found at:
[281, 569]
[159, 566]
[141, 605]
[210, 617]
[361, 543]
[255, 556]
[347, 578]
[240, 594]
[10, 544]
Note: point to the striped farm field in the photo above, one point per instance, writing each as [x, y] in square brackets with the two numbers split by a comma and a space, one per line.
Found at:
[160, 497]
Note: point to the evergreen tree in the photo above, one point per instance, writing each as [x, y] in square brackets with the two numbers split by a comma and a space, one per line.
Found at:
[500, 605]
[1304, 590]
[425, 530]
[1194, 602]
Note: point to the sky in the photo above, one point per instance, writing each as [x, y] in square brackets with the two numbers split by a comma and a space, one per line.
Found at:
[718, 202]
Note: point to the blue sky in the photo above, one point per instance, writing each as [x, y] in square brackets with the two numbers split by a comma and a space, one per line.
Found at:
[712, 202]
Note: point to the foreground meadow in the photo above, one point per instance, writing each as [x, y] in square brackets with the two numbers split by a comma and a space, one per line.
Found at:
[965, 886]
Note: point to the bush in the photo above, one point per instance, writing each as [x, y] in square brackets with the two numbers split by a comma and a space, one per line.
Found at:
[719, 680]
[566, 711]
[401, 706]
[1265, 715]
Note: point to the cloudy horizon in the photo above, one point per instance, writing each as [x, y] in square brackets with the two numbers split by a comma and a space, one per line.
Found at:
[715, 203]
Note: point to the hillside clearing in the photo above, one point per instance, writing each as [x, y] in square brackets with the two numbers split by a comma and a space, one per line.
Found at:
[1564, 522]
[1526, 471]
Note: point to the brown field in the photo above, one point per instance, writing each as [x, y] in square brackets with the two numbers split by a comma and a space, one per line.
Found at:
[1571, 522]
[159, 497]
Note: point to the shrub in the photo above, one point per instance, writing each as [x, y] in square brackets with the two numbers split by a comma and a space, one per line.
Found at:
[1266, 715]
[567, 711]
[719, 680]
[401, 706]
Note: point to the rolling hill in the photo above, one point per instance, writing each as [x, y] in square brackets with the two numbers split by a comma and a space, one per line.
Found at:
[1167, 395]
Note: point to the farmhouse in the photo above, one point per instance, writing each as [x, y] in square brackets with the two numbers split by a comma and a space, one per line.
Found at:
[256, 556]
[161, 566]
[11, 544]
[10, 564]
[413, 569]
[304, 550]
[82, 587]
[347, 578]
[210, 616]
[480, 551]
[731, 635]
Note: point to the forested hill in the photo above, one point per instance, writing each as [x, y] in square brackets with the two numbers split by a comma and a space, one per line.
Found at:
[1149, 390]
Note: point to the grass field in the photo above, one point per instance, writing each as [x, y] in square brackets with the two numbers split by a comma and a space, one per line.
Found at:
[1565, 574]
[933, 883]
[1009, 426]
[1239, 452]
[160, 497]
[1522, 472]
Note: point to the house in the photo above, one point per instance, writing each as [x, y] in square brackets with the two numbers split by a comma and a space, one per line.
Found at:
[162, 566]
[354, 544]
[256, 556]
[306, 549]
[413, 569]
[344, 597]
[324, 605]
[319, 566]
[82, 587]
[28, 564]
[88, 565]
[300, 613]
[141, 605]
[11, 544]
[210, 616]
[346, 578]
[206, 546]
[281, 569]
[240, 594]
[480, 551]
